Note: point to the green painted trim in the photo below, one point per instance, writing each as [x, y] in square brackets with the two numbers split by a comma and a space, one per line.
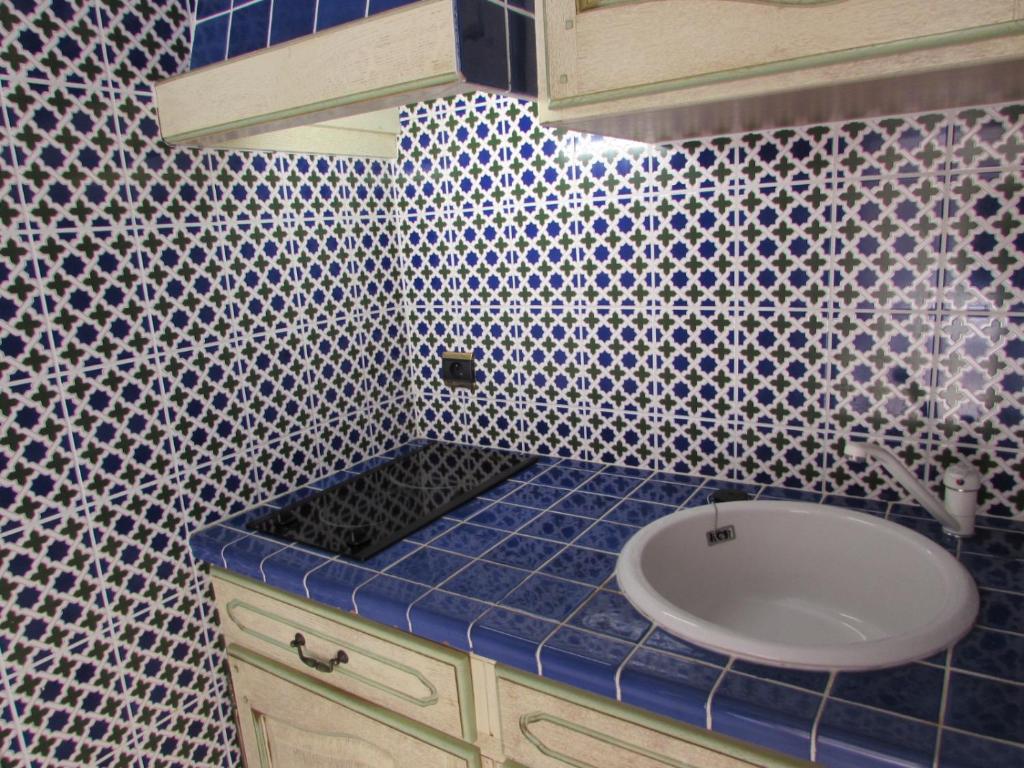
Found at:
[426, 734]
[316, 106]
[672, 728]
[234, 607]
[261, 739]
[539, 717]
[895, 47]
[454, 658]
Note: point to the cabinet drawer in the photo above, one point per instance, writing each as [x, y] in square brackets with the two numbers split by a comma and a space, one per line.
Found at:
[289, 720]
[407, 675]
[547, 726]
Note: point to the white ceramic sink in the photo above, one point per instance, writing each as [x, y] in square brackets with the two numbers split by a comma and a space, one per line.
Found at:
[802, 585]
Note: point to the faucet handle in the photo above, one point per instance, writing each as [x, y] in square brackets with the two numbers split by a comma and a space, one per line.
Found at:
[962, 477]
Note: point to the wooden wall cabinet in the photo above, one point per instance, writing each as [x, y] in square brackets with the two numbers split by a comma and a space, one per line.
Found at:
[398, 700]
[669, 69]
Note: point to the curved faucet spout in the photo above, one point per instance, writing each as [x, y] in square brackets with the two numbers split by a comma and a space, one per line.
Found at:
[967, 482]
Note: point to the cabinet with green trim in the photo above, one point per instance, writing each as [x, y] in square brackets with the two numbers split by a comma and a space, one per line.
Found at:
[315, 687]
[656, 71]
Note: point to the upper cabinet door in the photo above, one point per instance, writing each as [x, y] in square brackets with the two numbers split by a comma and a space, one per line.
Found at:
[667, 69]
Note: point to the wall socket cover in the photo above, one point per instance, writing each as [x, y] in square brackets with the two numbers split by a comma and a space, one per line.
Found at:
[457, 369]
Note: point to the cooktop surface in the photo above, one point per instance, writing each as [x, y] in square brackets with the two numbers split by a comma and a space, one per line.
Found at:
[364, 514]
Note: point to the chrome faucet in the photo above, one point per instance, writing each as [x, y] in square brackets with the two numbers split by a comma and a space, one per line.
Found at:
[961, 481]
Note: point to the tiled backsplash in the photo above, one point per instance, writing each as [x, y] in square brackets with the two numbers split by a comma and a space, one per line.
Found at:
[734, 306]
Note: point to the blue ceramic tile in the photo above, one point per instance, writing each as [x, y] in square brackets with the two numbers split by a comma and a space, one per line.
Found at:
[470, 539]
[508, 517]
[585, 504]
[582, 659]
[995, 543]
[609, 613]
[547, 597]
[771, 715]
[208, 543]
[812, 681]
[250, 26]
[995, 572]
[526, 5]
[1001, 610]
[854, 737]
[581, 564]
[207, 8]
[445, 618]
[210, 43]
[914, 690]
[501, 490]
[591, 466]
[663, 492]
[386, 556]
[962, 750]
[387, 599]
[510, 638]
[523, 552]
[877, 508]
[564, 477]
[989, 707]
[431, 530]
[638, 513]
[292, 19]
[531, 472]
[930, 529]
[428, 566]
[485, 581]
[470, 508]
[610, 485]
[288, 568]
[537, 496]
[663, 641]
[334, 583]
[331, 13]
[992, 653]
[556, 527]
[379, 6]
[668, 685]
[331, 480]
[245, 555]
[608, 537]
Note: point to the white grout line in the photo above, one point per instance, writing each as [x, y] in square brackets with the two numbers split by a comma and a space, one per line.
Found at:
[714, 689]
[820, 713]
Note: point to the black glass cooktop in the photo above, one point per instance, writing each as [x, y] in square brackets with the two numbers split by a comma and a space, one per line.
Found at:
[362, 515]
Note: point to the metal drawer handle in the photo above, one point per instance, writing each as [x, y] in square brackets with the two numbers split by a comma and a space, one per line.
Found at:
[320, 666]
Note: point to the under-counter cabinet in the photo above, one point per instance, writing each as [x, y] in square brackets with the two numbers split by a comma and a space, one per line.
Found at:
[316, 687]
[669, 69]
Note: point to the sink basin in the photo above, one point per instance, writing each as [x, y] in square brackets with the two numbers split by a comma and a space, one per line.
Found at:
[801, 585]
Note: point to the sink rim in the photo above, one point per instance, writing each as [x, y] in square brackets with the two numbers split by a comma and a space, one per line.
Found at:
[950, 624]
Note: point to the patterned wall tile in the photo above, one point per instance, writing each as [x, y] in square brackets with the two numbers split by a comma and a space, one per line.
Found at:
[613, 252]
[427, 269]
[882, 375]
[889, 232]
[169, 186]
[251, 185]
[980, 369]
[59, 41]
[1001, 492]
[624, 437]
[785, 156]
[550, 356]
[67, 150]
[119, 425]
[211, 491]
[141, 40]
[424, 185]
[915, 144]
[494, 423]
[192, 734]
[698, 165]
[619, 359]
[778, 456]
[263, 279]
[374, 265]
[321, 251]
[276, 389]
[433, 331]
[697, 354]
[987, 137]
[985, 240]
[785, 245]
[540, 168]
[857, 477]
[285, 464]
[24, 334]
[383, 373]
[337, 366]
[369, 189]
[485, 273]
[555, 431]
[694, 248]
[541, 240]
[38, 473]
[476, 154]
[607, 167]
[313, 185]
[697, 446]
[781, 374]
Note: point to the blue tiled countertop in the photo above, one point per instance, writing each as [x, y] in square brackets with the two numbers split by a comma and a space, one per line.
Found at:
[524, 575]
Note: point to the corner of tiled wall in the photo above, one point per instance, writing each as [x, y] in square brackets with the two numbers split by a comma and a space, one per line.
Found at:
[184, 333]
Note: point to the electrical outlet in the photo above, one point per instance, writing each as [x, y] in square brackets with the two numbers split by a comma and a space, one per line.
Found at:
[457, 369]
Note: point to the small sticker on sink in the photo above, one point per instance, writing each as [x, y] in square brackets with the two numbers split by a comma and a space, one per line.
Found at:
[720, 535]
